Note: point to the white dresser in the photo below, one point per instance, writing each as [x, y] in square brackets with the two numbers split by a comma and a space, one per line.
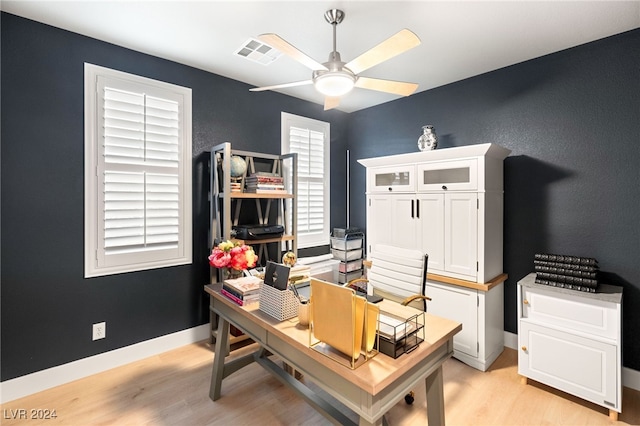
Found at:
[571, 340]
[448, 203]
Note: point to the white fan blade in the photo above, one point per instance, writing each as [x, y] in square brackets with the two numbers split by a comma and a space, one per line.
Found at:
[281, 86]
[331, 102]
[280, 44]
[396, 44]
[389, 86]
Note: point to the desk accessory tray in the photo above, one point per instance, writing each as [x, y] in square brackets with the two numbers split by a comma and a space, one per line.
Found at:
[398, 335]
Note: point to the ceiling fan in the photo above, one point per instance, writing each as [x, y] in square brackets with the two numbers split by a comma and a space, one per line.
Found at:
[335, 78]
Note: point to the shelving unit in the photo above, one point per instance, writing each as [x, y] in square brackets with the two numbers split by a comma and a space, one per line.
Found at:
[229, 208]
[226, 207]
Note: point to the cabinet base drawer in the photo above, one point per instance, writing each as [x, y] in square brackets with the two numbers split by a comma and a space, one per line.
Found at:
[572, 312]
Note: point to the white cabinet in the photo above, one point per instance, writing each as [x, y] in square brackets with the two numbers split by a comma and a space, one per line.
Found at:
[451, 207]
[572, 340]
[448, 203]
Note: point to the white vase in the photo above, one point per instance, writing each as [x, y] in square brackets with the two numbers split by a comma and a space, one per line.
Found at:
[428, 140]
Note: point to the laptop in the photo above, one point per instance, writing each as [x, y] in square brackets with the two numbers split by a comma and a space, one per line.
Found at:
[277, 275]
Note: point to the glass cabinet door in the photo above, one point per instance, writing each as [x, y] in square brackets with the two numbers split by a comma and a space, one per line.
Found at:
[391, 179]
[448, 175]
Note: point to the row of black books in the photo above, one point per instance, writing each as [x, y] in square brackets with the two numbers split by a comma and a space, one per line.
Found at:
[264, 182]
[243, 290]
[571, 272]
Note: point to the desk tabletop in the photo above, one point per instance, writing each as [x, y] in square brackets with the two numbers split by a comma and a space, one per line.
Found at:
[372, 376]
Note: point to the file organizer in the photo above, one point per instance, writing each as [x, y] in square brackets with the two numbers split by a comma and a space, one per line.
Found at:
[343, 326]
[400, 329]
[279, 304]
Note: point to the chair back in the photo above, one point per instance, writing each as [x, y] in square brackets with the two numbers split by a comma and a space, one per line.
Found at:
[397, 273]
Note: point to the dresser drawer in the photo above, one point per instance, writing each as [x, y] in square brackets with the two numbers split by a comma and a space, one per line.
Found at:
[594, 317]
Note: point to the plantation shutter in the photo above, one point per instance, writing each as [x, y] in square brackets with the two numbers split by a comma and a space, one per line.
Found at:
[141, 172]
[309, 145]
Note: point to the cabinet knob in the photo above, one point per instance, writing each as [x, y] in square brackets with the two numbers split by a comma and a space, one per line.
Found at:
[444, 187]
[525, 301]
[390, 189]
[524, 348]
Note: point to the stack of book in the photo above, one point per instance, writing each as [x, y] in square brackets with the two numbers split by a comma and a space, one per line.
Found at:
[572, 272]
[243, 290]
[265, 182]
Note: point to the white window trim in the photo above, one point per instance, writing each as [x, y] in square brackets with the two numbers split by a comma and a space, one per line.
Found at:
[291, 120]
[94, 233]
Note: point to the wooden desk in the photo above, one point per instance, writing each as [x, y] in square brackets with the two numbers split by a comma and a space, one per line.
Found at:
[370, 390]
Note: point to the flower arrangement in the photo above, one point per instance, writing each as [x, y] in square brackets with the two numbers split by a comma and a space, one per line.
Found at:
[232, 255]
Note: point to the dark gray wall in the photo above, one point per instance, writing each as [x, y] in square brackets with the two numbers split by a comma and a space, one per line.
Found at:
[47, 306]
[572, 182]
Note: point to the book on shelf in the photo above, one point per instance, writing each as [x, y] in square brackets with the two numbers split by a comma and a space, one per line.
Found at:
[266, 191]
[566, 271]
[585, 289]
[265, 185]
[585, 271]
[560, 258]
[568, 279]
[265, 174]
[265, 179]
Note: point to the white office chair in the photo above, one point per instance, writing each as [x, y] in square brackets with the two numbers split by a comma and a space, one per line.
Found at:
[397, 274]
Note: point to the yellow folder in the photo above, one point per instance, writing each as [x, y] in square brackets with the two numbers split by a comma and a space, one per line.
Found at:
[342, 319]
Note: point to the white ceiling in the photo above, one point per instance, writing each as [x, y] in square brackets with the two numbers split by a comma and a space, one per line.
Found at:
[460, 39]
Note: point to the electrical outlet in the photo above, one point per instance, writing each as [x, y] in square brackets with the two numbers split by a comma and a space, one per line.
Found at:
[99, 330]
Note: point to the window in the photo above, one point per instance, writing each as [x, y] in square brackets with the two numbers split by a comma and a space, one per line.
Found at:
[310, 140]
[137, 173]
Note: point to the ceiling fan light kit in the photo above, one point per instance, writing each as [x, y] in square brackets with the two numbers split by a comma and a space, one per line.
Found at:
[333, 83]
[335, 78]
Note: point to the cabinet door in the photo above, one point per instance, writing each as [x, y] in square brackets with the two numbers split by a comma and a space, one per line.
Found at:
[404, 222]
[574, 364]
[378, 219]
[461, 233]
[392, 179]
[458, 304]
[448, 175]
[392, 219]
[431, 219]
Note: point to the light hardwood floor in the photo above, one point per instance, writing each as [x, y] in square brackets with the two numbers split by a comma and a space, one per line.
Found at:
[173, 389]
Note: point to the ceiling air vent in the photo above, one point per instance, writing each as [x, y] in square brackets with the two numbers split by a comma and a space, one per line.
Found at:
[257, 51]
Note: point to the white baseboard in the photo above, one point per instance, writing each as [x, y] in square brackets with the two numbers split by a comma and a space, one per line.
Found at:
[630, 378]
[55, 376]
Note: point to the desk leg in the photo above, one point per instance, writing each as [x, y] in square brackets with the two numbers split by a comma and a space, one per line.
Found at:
[217, 374]
[435, 398]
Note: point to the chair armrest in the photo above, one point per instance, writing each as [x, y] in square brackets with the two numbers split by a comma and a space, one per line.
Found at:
[355, 281]
[410, 299]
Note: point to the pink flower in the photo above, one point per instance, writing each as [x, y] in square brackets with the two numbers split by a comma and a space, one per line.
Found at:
[219, 259]
[232, 255]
